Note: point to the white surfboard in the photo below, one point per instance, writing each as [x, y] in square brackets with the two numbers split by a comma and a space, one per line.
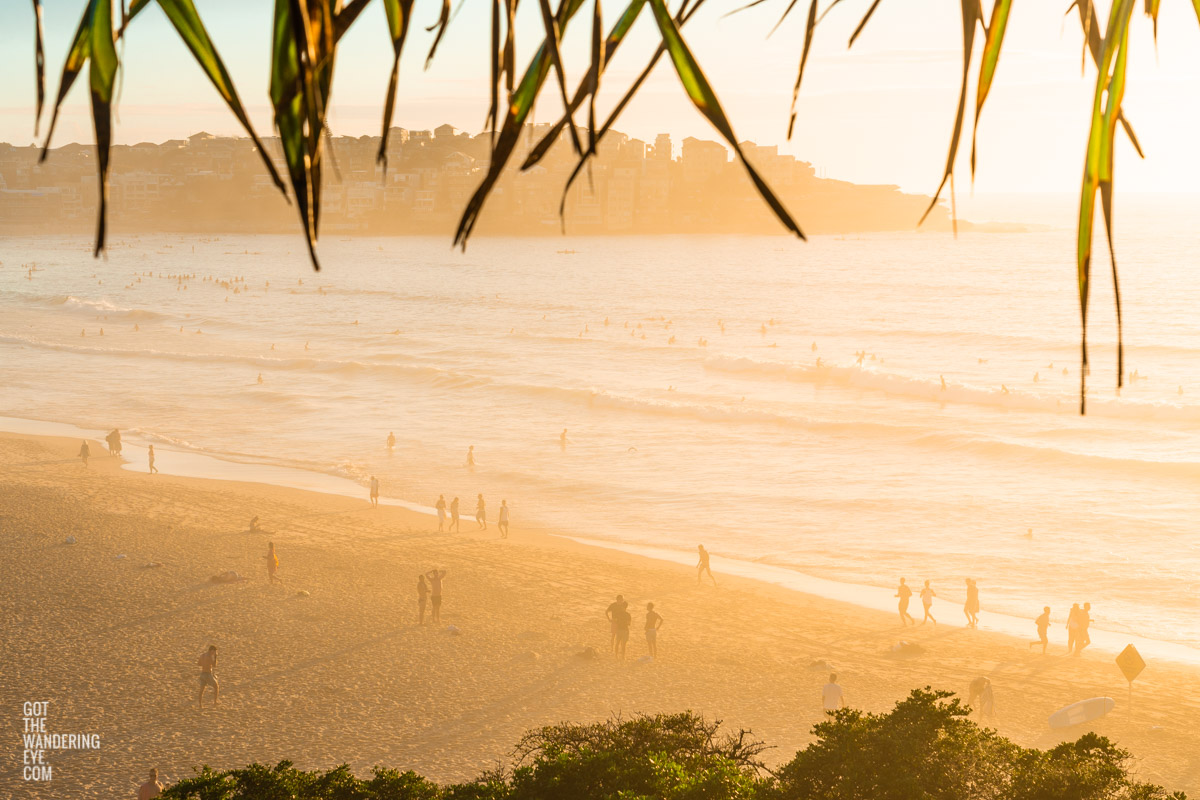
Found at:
[1081, 712]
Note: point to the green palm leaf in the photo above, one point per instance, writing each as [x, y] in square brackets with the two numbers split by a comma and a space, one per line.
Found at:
[987, 68]
[39, 58]
[398, 12]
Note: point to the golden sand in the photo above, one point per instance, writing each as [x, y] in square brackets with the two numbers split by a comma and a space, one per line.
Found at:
[344, 673]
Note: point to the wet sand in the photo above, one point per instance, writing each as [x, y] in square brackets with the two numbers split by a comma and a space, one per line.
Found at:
[344, 673]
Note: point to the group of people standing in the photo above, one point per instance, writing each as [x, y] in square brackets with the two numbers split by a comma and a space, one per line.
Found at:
[1079, 620]
[480, 515]
[620, 620]
[113, 442]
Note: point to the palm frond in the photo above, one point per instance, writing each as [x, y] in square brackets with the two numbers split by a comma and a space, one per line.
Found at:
[398, 13]
[39, 60]
[987, 68]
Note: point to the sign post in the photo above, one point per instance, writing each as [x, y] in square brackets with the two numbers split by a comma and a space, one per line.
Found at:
[1131, 663]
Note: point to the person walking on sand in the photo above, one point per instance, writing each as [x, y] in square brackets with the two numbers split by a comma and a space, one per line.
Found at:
[1073, 627]
[702, 566]
[1082, 639]
[454, 524]
[208, 663]
[435, 594]
[84, 452]
[441, 512]
[114, 442]
[971, 607]
[624, 619]
[611, 614]
[481, 513]
[422, 593]
[150, 456]
[374, 492]
[502, 524]
[654, 621]
[1043, 627]
[151, 788]
[391, 441]
[272, 564]
[927, 595]
[904, 593]
[831, 695]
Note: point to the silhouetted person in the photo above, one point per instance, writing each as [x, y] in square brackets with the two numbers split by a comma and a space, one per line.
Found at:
[1043, 627]
[502, 523]
[927, 595]
[454, 524]
[422, 594]
[971, 607]
[1083, 638]
[259, 374]
[391, 441]
[471, 457]
[435, 595]
[151, 788]
[150, 459]
[272, 564]
[831, 694]
[702, 566]
[208, 663]
[441, 512]
[980, 697]
[254, 528]
[374, 492]
[563, 441]
[654, 621]
[481, 513]
[611, 614]
[114, 442]
[904, 593]
[623, 619]
[85, 452]
[1073, 627]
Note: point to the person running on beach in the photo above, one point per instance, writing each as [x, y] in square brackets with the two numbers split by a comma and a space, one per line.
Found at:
[454, 525]
[654, 621]
[623, 620]
[150, 456]
[1043, 627]
[971, 608]
[614, 608]
[435, 595]
[208, 662]
[84, 452]
[1085, 621]
[471, 457]
[422, 593]
[272, 564]
[374, 492]
[502, 524]
[703, 567]
[441, 512]
[904, 593]
[927, 595]
[831, 694]
[391, 441]
[1073, 627]
[481, 513]
[151, 788]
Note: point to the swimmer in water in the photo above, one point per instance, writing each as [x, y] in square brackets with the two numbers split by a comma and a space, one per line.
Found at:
[563, 441]
[1003, 389]
[391, 441]
[943, 380]
[471, 457]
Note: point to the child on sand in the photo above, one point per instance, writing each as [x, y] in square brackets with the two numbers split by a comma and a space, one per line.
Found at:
[904, 593]
[927, 595]
[208, 662]
[272, 564]
[654, 621]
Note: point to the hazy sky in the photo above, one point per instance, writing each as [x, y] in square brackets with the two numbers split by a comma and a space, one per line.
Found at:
[880, 113]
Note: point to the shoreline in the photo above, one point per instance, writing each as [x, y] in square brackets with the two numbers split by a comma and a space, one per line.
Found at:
[343, 673]
[190, 464]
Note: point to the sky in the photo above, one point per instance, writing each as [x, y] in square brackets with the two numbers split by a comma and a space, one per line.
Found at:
[881, 112]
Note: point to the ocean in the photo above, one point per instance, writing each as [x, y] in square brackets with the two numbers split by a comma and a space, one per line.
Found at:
[710, 387]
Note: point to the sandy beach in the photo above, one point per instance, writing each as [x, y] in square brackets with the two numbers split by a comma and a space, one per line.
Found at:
[331, 667]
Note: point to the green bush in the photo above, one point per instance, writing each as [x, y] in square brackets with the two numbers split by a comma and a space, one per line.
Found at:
[926, 748]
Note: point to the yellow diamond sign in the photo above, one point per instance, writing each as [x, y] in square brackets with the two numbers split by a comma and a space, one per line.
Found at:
[1131, 663]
